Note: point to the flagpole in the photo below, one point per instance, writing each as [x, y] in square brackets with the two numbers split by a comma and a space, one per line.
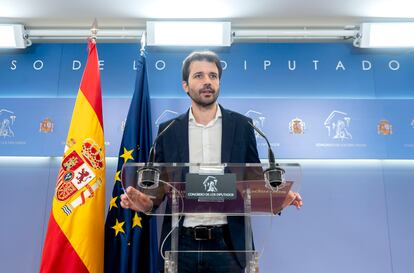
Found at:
[143, 43]
[74, 241]
[94, 30]
[130, 237]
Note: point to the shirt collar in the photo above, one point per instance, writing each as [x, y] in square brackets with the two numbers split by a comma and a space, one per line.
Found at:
[218, 115]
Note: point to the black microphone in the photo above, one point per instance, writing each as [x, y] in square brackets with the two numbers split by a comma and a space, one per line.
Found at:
[149, 176]
[274, 175]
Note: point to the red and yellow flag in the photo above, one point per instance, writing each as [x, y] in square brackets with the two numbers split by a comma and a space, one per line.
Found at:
[75, 236]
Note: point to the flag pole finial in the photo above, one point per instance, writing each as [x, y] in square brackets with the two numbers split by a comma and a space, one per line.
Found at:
[143, 43]
[94, 30]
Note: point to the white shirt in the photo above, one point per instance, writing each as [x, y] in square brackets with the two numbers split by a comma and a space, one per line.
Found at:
[204, 143]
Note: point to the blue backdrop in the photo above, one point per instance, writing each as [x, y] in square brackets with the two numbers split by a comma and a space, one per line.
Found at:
[313, 100]
[316, 102]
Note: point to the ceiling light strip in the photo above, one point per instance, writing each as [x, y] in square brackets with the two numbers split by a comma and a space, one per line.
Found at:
[238, 34]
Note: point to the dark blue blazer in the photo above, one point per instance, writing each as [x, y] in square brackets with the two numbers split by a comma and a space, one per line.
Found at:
[238, 145]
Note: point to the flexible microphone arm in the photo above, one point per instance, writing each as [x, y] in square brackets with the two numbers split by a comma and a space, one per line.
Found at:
[274, 175]
[149, 176]
[270, 153]
[151, 156]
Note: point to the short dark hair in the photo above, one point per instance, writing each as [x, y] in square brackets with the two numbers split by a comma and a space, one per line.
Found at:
[208, 56]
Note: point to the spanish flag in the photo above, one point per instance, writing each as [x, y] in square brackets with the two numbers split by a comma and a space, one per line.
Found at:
[75, 237]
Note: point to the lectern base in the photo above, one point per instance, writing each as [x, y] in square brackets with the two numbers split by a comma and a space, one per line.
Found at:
[171, 265]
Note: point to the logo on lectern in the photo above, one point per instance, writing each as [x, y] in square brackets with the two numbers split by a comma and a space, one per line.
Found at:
[206, 187]
[210, 184]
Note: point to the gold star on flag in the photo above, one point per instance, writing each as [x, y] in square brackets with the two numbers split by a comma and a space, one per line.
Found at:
[127, 155]
[136, 221]
[117, 176]
[118, 227]
[113, 203]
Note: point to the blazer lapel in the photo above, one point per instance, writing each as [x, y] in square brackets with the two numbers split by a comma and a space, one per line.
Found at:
[227, 135]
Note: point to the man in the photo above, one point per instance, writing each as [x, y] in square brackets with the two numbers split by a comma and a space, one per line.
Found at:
[207, 133]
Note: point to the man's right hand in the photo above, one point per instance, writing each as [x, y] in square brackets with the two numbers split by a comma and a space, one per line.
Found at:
[136, 200]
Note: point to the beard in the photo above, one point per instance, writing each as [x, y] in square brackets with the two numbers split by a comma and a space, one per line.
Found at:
[199, 99]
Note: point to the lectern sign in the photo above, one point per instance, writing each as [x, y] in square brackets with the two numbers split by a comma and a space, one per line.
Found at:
[213, 187]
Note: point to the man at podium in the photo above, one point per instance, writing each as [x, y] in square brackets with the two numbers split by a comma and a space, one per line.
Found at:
[206, 133]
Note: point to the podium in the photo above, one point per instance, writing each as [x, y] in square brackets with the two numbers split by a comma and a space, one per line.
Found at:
[231, 190]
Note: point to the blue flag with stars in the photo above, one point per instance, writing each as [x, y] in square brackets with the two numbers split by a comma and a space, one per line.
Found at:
[130, 237]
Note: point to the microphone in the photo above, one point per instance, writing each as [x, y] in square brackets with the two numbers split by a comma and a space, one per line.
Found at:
[274, 175]
[149, 176]
[151, 155]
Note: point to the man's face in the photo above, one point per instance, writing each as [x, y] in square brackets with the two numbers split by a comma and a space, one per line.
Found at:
[203, 83]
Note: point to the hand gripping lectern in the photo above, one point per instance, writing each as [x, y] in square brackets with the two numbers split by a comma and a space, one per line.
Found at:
[232, 190]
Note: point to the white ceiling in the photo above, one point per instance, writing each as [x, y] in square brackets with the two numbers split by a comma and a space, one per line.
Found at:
[242, 13]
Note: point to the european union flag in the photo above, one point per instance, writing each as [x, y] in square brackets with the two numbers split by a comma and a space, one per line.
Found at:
[130, 237]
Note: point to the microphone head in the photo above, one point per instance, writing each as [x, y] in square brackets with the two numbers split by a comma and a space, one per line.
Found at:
[274, 177]
[148, 177]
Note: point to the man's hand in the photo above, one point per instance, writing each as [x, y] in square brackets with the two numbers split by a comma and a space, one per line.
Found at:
[136, 200]
[293, 199]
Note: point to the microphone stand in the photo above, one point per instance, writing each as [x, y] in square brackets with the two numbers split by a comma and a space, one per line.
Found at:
[149, 176]
[274, 175]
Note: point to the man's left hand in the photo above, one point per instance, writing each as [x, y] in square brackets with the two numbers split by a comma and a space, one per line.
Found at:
[293, 199]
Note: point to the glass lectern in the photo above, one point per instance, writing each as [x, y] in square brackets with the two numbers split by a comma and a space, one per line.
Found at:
[233, 190]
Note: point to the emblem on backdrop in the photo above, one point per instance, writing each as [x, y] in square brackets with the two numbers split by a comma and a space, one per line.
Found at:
[258, 120]
[297, 126]
[46, 126]
[7, 119]
[123, 125]
[384, 127]
[412, 123]
[337, 124]
[166, 115]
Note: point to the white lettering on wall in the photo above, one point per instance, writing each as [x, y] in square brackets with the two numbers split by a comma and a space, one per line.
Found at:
[13, 65]
[340, 65]
[76, 65]
[223, 64]
[266, 64]
[315, 64]
[101, 64]
[290, 66]
[366, 65]
[394, 65]
[38, 65]
[160, 65]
